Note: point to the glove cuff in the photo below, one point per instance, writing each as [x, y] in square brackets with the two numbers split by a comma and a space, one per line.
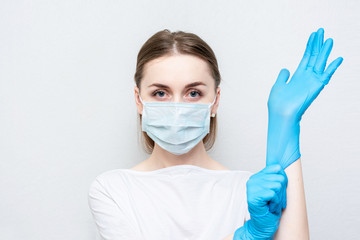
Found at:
[282, 141]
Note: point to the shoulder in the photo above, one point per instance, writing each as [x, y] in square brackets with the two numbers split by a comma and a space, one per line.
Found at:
[107, 179]
[241, 176]
[142, 166]
[245, 174]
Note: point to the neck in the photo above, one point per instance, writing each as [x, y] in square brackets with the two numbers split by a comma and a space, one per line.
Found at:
[197, 156]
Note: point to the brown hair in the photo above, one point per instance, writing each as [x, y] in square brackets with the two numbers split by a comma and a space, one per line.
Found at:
[164, 43]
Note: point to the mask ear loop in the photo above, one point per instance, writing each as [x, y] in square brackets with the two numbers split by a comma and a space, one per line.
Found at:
[142, 102]
[141, 99]
[213, 114]
[211, 103]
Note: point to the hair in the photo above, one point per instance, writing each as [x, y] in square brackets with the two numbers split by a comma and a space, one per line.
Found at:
[167, 43]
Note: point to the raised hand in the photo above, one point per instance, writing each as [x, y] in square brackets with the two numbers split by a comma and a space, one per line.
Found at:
[288, 101]
[266, 197]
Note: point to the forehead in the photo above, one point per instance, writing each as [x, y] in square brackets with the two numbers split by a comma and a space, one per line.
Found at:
[177, 70]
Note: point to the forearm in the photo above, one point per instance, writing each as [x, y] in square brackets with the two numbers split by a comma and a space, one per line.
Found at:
[294, 221]
[288, 101]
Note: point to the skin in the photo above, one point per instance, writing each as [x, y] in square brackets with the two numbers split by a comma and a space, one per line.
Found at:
[177, 71]
[294, 221]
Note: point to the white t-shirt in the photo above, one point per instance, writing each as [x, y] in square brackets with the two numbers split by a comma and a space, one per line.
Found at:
[182, 202]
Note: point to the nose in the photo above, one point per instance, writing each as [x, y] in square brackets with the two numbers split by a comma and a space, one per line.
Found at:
[176, 98]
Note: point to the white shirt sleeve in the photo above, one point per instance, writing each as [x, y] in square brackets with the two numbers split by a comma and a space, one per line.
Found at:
[111, 219]
[247, 216]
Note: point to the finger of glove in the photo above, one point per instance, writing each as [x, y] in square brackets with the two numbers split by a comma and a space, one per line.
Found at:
[284, 179]
[271, 177]
[282, 77]
[323, 56]
[278, 183]
[258, 211]
[275, 204]
[273, 173]
[321, 30]
[304, 61]
[331, 69]
[263, 197]
[267, 186]
[260, 205]
[276, 177]
[275, 168]
[317, 44]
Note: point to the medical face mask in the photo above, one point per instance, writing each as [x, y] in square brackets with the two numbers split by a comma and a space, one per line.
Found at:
[176, 127]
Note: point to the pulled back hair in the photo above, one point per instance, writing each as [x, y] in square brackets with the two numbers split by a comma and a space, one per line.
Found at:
[167, 43]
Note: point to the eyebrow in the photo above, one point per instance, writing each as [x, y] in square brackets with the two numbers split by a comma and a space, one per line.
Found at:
[194, 84]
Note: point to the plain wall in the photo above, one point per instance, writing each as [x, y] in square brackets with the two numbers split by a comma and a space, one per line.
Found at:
[67, 111]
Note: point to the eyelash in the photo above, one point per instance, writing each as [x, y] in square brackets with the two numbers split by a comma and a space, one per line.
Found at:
[191, 90]
[197, 91]
[156, 92]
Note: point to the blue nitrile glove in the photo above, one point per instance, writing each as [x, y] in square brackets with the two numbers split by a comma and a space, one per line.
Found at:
[288, 101]
[266, 197]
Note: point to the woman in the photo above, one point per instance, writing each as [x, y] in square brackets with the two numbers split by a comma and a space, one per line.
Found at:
[180, 192]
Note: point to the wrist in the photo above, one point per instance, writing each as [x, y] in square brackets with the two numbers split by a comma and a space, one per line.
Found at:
[282, 141]
[249, 232]
[242, 233]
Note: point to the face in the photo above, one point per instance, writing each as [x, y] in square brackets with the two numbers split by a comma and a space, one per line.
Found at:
[177, 78]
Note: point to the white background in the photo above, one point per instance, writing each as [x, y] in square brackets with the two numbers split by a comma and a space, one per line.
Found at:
[67, 111]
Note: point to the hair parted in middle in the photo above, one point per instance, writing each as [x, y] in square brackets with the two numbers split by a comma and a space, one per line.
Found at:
[166, 43]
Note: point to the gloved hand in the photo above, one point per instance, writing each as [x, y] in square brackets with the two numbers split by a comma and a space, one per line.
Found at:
[266, 197]
[288, 101]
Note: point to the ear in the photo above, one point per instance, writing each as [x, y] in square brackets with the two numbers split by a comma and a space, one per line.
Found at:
[137, 100]
[216, 103]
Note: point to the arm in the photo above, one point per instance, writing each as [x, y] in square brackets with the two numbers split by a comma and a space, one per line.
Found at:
[294, 221]
[110, 218]
[287, 103]
[266, 191]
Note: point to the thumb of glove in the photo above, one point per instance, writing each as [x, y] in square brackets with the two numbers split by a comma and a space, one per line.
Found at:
[282, 77]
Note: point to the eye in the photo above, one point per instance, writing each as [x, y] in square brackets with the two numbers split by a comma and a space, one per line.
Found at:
[194, 93]
[159, 93]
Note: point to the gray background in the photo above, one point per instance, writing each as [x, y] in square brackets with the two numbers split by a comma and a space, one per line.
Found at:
[67, 111]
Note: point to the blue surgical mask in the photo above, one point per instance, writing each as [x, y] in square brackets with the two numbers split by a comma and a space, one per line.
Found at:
[176, 127]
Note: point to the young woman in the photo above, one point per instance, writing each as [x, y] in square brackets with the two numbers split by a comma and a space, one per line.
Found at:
[180, 192]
